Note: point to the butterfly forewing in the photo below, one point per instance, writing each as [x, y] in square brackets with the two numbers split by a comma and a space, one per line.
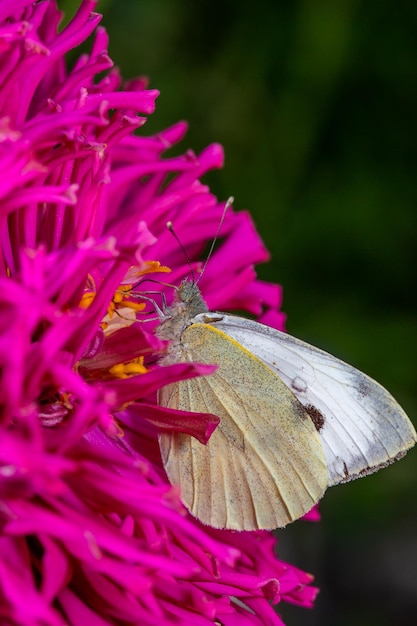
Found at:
[264, 465]
[361, 426]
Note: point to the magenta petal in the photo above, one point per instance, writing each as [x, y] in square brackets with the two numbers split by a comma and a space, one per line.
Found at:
[122, 346]
[56, 568]
[144, 385]
[21, 601]
[77, 611]
[198, 425]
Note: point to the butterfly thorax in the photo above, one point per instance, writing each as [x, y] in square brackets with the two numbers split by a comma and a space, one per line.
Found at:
[188, 302]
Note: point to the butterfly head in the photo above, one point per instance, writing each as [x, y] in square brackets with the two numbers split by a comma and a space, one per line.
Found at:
[188, 302]
[189, 296]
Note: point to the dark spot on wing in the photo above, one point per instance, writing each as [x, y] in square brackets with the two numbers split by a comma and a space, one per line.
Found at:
[298, 384]
[345, 471]
[363, 388]
[316, 416]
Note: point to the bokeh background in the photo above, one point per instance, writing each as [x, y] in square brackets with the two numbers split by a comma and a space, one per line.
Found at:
[315, 104]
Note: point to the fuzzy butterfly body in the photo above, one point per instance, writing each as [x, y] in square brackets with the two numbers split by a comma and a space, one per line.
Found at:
[294, 420]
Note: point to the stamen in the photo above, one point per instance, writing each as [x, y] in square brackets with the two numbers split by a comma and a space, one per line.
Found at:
[87, 299]
[128, 369]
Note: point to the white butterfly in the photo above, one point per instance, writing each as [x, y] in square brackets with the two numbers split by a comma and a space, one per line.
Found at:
[294, 420]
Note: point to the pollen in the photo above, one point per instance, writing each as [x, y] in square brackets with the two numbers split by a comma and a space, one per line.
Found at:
[128, 369]
[87, 299]
[155, 266]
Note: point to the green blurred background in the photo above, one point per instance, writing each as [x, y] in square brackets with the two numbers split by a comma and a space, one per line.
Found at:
[314, 102]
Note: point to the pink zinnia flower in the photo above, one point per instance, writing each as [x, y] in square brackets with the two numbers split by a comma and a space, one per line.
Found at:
[91, 530]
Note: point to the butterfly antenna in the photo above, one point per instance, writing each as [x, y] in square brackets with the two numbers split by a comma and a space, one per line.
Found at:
[216, 236]
[170, 227]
